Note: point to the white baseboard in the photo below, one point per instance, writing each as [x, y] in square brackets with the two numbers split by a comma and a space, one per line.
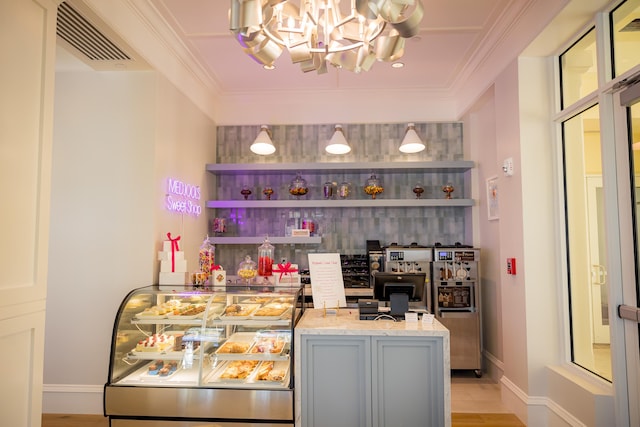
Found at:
[538, 410]
[72, 399]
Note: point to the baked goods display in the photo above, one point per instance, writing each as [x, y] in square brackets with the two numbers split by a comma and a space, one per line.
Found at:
[156, 343]
[257, 300]
[268, 345]
[272, 371]
[234, 347]
[162, 368]
[187, 310]
[234, 339]
[238, 369]
[240, 310]
[159, 311]
[272, 310]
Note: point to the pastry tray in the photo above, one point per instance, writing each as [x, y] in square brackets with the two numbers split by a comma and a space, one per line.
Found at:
[251, 377]
[256, 300]
[245, 338]
[248, 308]
[279, 306]
[219, 372]
[187, 316]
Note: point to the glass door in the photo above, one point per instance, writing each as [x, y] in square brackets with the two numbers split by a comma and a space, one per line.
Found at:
[626, 363]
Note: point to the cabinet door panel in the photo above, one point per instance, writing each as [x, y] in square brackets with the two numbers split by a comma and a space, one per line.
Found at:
[408, 382]
[336, 387]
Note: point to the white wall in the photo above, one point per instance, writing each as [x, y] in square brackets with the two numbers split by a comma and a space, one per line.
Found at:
[480, 139]
[524, 325]
[117, 136]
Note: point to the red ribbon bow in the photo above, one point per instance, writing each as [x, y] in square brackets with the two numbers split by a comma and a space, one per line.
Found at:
[174, 248]
[284, 269]
[216, 267]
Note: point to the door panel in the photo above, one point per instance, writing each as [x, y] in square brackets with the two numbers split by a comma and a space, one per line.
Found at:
[27, 38]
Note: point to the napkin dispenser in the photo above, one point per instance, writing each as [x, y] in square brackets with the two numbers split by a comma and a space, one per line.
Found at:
[368, 309]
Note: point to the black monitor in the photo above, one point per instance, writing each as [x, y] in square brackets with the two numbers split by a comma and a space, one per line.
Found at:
[411, 284]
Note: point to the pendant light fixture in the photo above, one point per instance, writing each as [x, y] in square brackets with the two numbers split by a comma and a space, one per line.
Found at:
[263, 144]
[338, 143]
[411, 142]
[348, 34]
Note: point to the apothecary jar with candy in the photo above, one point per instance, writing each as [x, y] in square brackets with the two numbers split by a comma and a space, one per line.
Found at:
[247, 269]
[298, 186]
[266, 258]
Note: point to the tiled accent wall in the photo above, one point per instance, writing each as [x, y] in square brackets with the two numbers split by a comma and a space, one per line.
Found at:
[343, 230]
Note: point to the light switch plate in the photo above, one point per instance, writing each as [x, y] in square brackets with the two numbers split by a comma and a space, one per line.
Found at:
[507, 167]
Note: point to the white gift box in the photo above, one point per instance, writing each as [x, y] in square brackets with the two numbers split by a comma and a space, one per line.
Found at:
[166, 255]
[286, 279]
[218, 278]
[166, 246]
[179, 266]
[169, 278]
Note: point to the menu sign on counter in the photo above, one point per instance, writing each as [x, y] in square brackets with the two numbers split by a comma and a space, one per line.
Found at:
[327, 285]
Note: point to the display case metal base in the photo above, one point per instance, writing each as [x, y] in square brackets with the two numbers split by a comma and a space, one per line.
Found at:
[146, 406]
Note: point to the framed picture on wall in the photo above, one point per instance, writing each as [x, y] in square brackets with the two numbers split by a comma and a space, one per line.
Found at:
[492, 198]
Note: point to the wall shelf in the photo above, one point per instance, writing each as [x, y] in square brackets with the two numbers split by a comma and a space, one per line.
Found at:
[347, 203]
[325, 167]
[256, 240]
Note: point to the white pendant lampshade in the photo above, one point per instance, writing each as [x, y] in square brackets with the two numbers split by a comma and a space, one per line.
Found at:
[338, 143]
[263, 144]
[411, 142]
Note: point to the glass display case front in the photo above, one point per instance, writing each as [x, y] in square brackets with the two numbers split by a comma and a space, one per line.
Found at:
[206, 346]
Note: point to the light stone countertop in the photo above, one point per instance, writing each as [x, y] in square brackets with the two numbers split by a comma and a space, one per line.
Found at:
[347, 322]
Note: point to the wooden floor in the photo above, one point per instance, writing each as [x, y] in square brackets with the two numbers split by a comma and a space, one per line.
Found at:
[457, 420]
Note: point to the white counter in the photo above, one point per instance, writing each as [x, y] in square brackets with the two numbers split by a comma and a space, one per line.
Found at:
[314, 325]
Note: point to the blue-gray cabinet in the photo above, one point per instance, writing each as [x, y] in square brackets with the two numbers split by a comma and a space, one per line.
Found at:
[373, 381]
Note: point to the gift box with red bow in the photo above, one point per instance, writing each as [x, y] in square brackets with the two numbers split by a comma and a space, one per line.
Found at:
[173, 266]
[286, 274]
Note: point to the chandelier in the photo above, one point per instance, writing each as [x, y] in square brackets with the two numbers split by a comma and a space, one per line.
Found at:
[352, 35]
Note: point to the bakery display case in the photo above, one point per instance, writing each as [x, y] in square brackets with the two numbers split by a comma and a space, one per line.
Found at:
[191, 356]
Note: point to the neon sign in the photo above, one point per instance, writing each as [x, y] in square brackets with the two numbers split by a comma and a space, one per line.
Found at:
[183, 198]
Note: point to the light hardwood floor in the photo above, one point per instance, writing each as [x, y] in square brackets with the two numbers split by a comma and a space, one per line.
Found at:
[457, 420]
[475, 402]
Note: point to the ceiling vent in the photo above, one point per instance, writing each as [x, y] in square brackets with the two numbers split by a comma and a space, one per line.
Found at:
[85, 35]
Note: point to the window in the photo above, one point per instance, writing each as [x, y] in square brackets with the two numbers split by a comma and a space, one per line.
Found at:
[579, 74]
[625, 32]
[586, 242]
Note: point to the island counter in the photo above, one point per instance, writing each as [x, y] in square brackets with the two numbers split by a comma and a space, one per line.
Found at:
[363, 373]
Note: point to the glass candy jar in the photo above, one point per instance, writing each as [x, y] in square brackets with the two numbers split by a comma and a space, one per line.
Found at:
[268, 191]
[266, 258]
[373, 186]
[298, 187]
[418, 190]
[206, 257]
[246, 192]
[344, 189]
[247, 269]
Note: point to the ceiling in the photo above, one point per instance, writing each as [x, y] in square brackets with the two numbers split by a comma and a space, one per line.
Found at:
[454, 35]
[460, 44]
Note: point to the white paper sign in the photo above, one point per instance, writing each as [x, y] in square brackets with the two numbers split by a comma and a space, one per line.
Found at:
[327, 285]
